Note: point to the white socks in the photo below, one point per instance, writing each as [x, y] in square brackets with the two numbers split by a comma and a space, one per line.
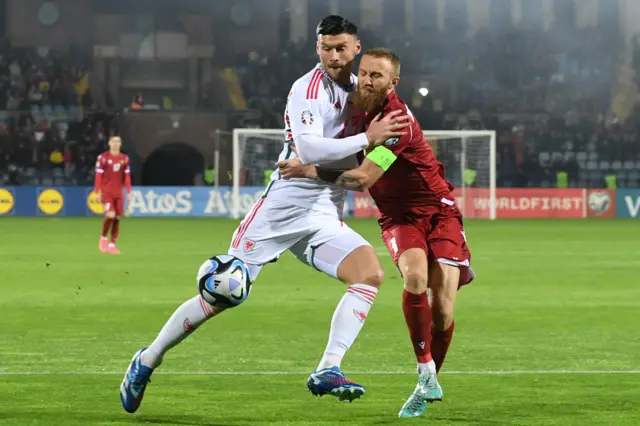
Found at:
[347, 322]
[189, 316]
[424, 366]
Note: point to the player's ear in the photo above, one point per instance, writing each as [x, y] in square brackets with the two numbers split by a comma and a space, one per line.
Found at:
[358, 47]
[395, 81]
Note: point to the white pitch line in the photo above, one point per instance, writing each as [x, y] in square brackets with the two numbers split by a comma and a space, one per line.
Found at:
[303, 373]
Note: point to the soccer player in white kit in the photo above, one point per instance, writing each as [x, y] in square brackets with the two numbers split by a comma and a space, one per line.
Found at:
[303, 216]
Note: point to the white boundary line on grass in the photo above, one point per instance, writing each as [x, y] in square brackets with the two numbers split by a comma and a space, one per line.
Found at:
[304, 373]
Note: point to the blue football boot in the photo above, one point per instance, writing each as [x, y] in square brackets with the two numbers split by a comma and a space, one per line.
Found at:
[331, 381]
[134, 383]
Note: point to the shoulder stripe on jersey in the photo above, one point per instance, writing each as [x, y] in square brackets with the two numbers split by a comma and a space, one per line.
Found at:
[312, 89]
[318, 83]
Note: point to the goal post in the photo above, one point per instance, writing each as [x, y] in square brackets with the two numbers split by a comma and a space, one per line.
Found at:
[255, 151]
[469, 158]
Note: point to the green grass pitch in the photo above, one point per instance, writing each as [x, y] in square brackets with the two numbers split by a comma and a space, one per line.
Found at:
[547, 334]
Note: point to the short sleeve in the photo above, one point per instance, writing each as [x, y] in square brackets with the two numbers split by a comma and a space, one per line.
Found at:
[306, 108]
[397, 145]
[127, 165]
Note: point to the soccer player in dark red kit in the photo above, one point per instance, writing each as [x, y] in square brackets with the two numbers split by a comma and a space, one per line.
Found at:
[421, 225]
[113, 175]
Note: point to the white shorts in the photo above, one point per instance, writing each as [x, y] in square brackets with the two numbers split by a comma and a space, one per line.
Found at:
[318, 239]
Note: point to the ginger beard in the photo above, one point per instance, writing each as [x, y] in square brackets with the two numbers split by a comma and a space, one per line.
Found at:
[368, 97]
[377, 77]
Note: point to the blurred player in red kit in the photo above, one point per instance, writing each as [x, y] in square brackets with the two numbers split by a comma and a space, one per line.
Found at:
[113, 175]
[421, 225]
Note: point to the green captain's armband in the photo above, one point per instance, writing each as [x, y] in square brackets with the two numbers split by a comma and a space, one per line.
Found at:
[383, 157]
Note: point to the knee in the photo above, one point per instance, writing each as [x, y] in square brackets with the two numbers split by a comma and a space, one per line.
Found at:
[373, 276]
[110, 215]
[361, 267]
[415, 281]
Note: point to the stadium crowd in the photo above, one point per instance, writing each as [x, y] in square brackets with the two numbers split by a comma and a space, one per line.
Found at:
[548, 93]
[49, 134]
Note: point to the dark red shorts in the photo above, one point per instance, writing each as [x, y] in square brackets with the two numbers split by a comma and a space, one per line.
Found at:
[442, 237]
[113, 203]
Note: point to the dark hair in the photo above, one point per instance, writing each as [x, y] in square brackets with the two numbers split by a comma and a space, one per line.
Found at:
[336, 25]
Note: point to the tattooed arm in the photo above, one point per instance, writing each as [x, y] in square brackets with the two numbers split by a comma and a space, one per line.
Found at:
[358, 179]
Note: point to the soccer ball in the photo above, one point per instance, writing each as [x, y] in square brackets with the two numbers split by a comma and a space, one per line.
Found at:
[224, 281]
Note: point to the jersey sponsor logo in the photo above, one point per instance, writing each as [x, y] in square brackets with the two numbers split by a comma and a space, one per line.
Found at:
[93, 204]
[6, 201]
[307, 117]
[391, 142]
[360, 315]
[50, 201]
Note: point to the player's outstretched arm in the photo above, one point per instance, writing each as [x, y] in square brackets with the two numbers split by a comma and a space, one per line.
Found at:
[307, 106]
[314, 149]
[358, 179]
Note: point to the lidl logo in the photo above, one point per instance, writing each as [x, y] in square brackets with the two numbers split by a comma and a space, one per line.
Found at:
[50, 201]
[6, 201]
[93, 204]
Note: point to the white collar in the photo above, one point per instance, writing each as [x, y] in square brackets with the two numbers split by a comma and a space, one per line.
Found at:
[348, 88]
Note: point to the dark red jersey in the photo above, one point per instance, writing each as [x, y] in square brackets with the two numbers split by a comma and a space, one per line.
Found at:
[113, 173]
[415, 182]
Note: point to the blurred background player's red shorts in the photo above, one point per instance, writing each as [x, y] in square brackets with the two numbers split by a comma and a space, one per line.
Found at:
[440, 236]
[113, 203]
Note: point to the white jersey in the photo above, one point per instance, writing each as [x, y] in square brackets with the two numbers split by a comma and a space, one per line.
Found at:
[318, 105]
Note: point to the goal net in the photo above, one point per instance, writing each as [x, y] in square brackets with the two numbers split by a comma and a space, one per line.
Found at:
[469, 158]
